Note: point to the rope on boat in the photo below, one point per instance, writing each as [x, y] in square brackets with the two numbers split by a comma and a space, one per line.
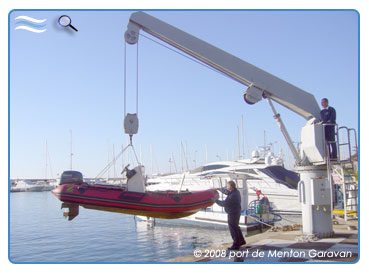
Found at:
[102, 172]
[134, 151]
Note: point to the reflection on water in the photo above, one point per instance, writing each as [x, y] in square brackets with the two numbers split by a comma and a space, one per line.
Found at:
[40, 233]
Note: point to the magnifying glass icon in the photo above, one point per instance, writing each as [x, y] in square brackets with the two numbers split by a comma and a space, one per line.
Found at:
[65, 21]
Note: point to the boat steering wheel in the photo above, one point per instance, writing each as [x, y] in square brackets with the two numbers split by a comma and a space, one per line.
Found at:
[125, 169]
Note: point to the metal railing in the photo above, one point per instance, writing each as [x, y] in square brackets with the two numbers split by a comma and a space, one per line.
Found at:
[352, 149]
[346, 194]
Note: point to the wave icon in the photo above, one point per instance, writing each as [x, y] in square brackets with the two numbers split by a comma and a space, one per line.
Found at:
[30, 24]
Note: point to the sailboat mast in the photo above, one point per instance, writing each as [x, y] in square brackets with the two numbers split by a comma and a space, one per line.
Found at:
[264, 144]
[185, 154]
[174, 162]
[206, 153]
[243, 138]
[180, 152]
[71, 151]
[238, 139]
[108, 160]
[46, 159]
[114, 170]
[151, 160]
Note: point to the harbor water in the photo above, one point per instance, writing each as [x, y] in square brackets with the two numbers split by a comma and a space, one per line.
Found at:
[39, 233]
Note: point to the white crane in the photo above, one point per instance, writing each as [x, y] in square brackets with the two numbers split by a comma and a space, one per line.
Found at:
[314, 188]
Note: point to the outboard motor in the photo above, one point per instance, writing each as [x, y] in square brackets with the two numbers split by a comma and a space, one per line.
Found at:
[71, 177]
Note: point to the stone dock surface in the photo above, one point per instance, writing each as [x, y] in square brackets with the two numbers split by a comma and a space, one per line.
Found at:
[285, 247]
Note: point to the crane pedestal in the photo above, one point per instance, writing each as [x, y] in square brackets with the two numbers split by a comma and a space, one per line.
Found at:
[315, 197]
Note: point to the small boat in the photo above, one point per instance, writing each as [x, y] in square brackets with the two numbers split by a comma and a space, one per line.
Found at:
[34, 187]
[133, 199]
[18, 186]
[26, 186]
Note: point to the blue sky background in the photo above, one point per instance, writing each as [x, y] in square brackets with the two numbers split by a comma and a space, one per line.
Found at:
[61, 80]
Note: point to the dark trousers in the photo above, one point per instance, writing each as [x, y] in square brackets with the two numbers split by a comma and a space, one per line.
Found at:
[333, 150]
[235, 230]
[331, 140]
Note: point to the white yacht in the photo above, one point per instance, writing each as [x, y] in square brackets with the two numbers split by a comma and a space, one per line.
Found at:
[46, 185]
[263, 176]
[31, 186]
[18, 186]
[26, 186]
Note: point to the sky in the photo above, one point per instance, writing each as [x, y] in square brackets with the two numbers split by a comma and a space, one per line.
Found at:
[62, 81]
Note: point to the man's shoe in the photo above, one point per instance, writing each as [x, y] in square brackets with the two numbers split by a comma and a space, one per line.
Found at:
[242, 243]
[233, 248]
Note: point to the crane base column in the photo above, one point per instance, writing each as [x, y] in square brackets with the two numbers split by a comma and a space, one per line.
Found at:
[315, 197]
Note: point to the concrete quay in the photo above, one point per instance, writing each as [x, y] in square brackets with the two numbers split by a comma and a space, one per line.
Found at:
[286, 245]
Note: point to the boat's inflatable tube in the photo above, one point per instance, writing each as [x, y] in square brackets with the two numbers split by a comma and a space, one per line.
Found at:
[158, 204]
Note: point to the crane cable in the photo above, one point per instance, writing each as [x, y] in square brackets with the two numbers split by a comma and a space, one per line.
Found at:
[125, 79]
[186, 55]
[137, 79]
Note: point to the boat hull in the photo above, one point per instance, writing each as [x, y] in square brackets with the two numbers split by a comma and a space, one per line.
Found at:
[159, 204]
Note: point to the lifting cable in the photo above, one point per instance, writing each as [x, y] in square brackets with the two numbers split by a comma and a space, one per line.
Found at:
[125, 79]
[136, 78]
[186, 55]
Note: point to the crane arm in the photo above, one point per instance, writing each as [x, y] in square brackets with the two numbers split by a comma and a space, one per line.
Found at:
[259, 82]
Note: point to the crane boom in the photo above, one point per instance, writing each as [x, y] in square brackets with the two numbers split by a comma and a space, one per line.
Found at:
[260, 82]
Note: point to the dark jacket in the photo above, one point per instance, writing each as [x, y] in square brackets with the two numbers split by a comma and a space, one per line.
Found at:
[232, 204]
[328, 116]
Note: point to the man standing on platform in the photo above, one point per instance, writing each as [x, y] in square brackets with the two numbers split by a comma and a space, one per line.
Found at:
[232, 205]
[328, 116]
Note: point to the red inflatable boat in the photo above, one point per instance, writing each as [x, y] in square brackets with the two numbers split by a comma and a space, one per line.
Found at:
[158, 204]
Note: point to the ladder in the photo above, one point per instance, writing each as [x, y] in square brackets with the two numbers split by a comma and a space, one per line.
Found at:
[345, 191]
[343, 174]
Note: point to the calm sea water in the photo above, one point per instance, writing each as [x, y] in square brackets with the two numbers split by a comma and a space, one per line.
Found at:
[39, 233]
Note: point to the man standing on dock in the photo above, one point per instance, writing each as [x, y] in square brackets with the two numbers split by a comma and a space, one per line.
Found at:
[232, 205]
[328, 116]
